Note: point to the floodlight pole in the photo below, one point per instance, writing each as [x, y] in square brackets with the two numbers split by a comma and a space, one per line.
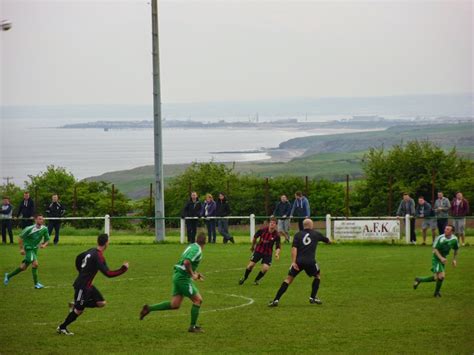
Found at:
[159, 190]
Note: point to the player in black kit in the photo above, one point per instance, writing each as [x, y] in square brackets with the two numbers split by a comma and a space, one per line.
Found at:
[303, 257]
[86, 295]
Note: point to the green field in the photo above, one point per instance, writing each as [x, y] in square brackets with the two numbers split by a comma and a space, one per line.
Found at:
[369, 304]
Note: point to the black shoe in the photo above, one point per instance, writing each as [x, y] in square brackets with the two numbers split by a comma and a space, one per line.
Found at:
[145, 310]
[241, 281]
[232, 240]
[273, 303]
[195, 329]
[256, 282]
[437, 294]
[315, 300]
[416, 283]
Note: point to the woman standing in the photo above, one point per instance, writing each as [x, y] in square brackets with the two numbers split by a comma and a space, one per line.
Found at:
[209, 213]
[223, 210]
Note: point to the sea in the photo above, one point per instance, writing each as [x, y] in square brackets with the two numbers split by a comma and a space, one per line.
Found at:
[28, 146]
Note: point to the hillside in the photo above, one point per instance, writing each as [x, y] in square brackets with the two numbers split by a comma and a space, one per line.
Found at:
[330, 157]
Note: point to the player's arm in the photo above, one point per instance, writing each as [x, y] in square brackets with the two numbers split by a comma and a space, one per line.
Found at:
[439, 256]
[254, 239]
[277, 248]
[20, 243]
[189, 269]
[45, 239]
[324, 239]
[294, 254]
[111, 273]
[455, 255]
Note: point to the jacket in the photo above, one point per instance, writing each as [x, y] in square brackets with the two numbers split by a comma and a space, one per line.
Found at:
[208, 209]
[282, 209]
[6, 212]
[424, 210]
[222, 208]
[27, 209]
[55, 209]
[461, 210]
[406, 208]
[300, 208]
[444, 205]
[192, 209]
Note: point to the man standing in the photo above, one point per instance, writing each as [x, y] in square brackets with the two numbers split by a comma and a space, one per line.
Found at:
[282, 212]
[87, 295]
[407, 206]
[441, 247]
[183, 285]
[425, 212]
[192, 209]
[208, 211]
[55, 210]
[441, 208]
[303, 257]
[6, 220]
[459, 211]
[300, 209]
[223, 210]
[26, 210]
[267, 237]
[30, 238]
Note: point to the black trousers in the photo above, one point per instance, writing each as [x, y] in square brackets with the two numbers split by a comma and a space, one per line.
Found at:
[191, 228]
[412, 230]
[56, 225]
[211, 230]
[7, 227]
[25, 223]
[300, 224]
[442, 223]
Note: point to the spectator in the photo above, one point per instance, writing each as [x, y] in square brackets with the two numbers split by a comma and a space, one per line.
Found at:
[441, 208]
[192, 209]
[209, 210]
[55, 210]
[407, 206]
[424, 211]
[26, 210]
[282, 212]
[459, 211]
[300, 209]
[223, 210]
[6, 220]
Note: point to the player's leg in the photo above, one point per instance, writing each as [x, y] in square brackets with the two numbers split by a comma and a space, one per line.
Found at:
[80, 298]
[265, 267]
[175, 303]
[34, 272]
[284, 286]
[196, 298]
[313, 270]
[8, 275]
[436, 266]
[439, 283]
[253, 260]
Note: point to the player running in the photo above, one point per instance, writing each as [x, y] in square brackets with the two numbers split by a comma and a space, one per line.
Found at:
[267, 237]
[30, 238]
[86, 295]
[303, 257]
[441, 247]
[183, 285]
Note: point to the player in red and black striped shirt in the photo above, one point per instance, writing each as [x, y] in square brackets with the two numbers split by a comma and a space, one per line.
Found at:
[262, 250]
[86, 295]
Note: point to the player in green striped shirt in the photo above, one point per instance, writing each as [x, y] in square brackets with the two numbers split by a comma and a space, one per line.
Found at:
[183, 285]
[441, 248]
[31, 238]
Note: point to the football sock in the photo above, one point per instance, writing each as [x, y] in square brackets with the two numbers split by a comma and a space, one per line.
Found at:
[315, 287]
[194, 314]
[13, 273]
[34, 271]
[71, 317]
[163, 306]
[426, 279]
[247, 273]
[259, 276]
[439, 283]
[281, 291]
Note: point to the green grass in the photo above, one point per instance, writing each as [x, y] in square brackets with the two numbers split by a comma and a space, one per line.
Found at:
[369, 304]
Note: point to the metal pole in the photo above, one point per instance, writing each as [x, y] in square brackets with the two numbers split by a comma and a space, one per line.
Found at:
[347, 196]
[159, 189]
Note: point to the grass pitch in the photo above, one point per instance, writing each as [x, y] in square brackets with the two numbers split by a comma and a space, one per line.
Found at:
[369, 304]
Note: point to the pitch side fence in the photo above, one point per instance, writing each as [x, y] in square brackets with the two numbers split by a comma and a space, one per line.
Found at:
[339, 228]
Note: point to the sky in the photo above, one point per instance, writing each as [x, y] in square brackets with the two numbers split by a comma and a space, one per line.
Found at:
[99, 52]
